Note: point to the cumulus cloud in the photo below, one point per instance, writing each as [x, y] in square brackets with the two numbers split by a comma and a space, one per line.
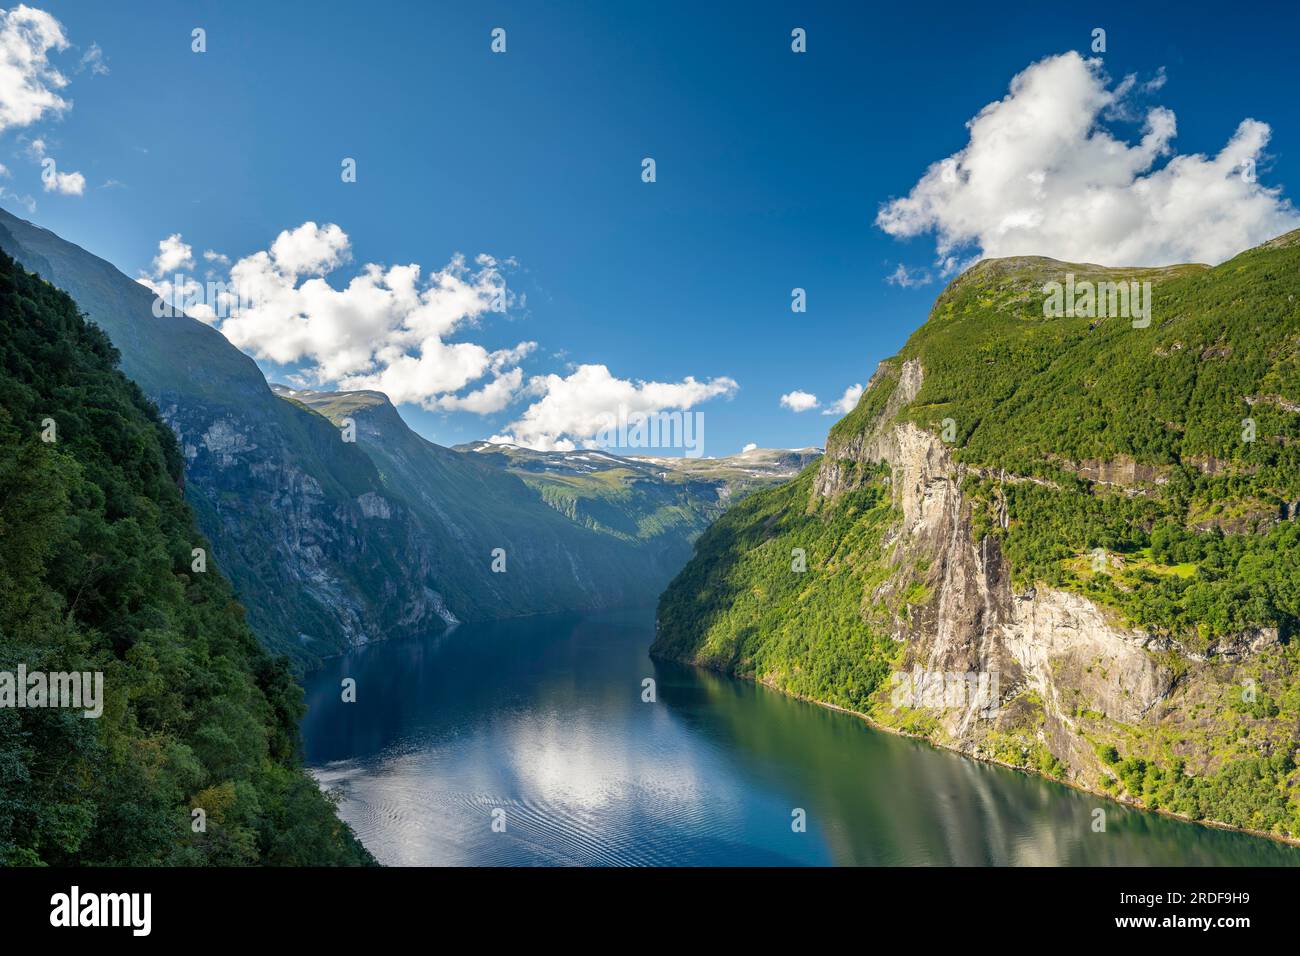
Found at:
[798, 401]
[1042, 175]
[750, 447]
[391, 329]
[310, 249]
[492, 397]
[847, 402]
[67, 184]
[29, 84]
[571, 410]
[386, 329]
[171, 285]
[173, 253]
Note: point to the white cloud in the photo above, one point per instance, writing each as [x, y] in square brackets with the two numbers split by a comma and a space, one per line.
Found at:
[310, 249]
[28, 83]
[909, 278]
[168, 283]
[389, 329]
[439, 369]
[385, 329]
[492, 397]
[173, 253]
[847, 402]
[24, 200]
[573, 409]
[750, 447]
[798, 401]
[1041, 175]
[68, 184]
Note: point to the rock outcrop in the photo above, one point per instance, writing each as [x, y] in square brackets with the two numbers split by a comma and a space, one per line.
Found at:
[1072, 656]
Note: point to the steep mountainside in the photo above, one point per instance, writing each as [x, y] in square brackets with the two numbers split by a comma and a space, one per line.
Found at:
[463, 509]
[330, 543]
[274, 488]
[1068, 543]
[98, 575]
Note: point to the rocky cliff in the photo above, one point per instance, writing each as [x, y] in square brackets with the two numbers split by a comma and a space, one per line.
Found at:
[1066, 668]
[1061, 544]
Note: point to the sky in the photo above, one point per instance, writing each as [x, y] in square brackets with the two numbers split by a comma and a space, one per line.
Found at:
[499, 264]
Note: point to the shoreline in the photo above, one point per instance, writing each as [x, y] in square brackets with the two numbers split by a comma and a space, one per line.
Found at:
[1073, 785]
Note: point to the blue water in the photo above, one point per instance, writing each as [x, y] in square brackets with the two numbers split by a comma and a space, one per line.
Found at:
[541, 720]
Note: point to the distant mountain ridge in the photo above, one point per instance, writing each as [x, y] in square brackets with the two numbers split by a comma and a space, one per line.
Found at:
[567, 512]
[635, 495]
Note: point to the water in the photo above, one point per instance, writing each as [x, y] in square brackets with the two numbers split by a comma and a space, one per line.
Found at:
[542, 718]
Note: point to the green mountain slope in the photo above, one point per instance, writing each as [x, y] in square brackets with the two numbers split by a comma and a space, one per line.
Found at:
[1096, 516]
[660, 504]
[97, 575]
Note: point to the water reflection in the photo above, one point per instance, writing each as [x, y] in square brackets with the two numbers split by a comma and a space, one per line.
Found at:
[542, 718]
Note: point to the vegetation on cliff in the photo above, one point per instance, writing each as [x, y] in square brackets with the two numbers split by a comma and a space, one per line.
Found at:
[1154, 469]
[97, 574]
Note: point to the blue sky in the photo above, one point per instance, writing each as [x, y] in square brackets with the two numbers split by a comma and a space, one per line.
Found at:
[771, 170]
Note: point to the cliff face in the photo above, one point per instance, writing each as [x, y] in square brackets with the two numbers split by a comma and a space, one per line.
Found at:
[323, 559]
[1057, 645]
[1054, 544]
[463, 508]
[1084, 670]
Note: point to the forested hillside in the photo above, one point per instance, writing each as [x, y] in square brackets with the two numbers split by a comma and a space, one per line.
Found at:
[97, 574]
[1102, 513]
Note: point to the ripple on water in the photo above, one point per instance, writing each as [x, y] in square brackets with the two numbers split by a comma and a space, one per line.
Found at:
[407, 820]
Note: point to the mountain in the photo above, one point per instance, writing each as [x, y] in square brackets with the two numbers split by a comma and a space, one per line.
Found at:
[331, 543]
[98, 577]
[463, 509]
[663, 504]
[582, 529]
[275, 490]
[1065, 542]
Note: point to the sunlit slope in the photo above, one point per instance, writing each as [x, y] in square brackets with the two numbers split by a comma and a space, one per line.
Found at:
[1098, 509]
